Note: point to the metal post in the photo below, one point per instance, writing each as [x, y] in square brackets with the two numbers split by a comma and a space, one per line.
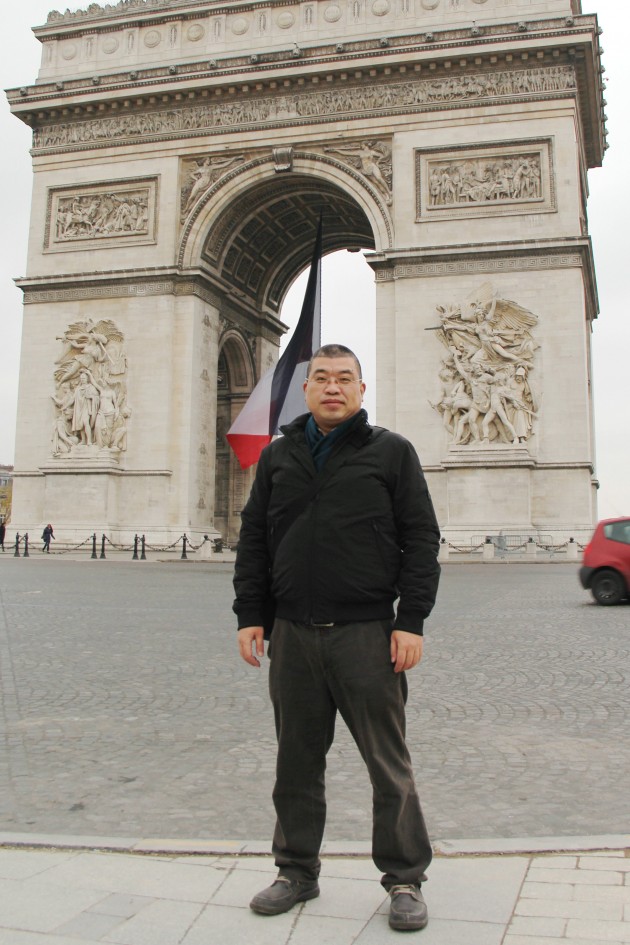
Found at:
[94, 545]
[134, 556]
[184, 555]
[16, 553]
[25, 553]
[103, 546]
[143, 556]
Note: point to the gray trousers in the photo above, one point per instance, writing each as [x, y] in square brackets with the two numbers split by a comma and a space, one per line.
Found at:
[313, 674]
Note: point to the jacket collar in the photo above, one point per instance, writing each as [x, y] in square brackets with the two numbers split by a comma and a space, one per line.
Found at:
[359, 434]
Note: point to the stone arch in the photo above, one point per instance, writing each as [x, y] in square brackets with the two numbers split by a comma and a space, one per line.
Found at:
[251, 235]
[236, 376]
[243, 205]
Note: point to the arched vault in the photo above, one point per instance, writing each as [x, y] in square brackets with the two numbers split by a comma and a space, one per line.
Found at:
[256, 243]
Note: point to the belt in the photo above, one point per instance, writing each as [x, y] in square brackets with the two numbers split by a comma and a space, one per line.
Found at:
[321, 626]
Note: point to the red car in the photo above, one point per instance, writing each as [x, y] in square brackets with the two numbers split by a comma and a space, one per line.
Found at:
[606, 563]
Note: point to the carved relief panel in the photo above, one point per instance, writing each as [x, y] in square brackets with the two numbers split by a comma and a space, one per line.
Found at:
[486, 397]
[514, 177]
[90, 399]
[199, 174]
[110, 214]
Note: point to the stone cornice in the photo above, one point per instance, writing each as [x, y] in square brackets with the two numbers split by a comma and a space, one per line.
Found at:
[452, 54]
[134, 283]
[129, 12]
[512, 256]
[441, 45]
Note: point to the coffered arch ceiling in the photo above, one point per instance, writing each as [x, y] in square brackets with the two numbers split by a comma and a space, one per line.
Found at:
[265, 238]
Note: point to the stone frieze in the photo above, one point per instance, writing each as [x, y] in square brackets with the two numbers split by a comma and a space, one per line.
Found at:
[286, 109]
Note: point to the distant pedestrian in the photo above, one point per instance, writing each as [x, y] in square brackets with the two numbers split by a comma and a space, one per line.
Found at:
[3, 531]
[47, 534]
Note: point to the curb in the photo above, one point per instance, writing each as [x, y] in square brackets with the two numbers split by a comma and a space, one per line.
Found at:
[512, 846]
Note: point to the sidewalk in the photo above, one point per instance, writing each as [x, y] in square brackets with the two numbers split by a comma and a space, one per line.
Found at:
[545, 891]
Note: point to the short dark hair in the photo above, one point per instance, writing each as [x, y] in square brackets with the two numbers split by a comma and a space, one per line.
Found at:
[334, 351]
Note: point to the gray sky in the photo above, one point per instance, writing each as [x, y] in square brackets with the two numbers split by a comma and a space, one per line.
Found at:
[609, 216]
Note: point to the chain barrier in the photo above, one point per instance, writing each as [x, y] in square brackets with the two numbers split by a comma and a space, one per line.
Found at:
[543, 546]
[464, 549]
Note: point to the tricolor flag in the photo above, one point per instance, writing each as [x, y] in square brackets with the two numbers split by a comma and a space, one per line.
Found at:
[279, 396]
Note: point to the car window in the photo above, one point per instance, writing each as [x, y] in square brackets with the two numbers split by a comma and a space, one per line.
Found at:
[618, 531]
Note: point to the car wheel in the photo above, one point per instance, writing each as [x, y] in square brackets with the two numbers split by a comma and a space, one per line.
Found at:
[608, 587]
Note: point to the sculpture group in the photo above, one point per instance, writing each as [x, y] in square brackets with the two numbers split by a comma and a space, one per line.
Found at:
[486, 397]
[90, 399]
[482, 180]
[90, 216]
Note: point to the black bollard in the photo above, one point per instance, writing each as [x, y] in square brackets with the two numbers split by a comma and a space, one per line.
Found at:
[16, 553]
[184, 555]
[103, 546]
[134, 556]
[143, 556]
[94, 545]
[25, 553]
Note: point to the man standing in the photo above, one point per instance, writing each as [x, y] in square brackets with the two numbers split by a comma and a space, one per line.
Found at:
[339, 524]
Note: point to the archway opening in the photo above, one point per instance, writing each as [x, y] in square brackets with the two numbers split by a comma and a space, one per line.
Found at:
[348, 312]
[259, 249]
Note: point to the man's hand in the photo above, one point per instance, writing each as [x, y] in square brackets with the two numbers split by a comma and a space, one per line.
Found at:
[406, 650]
[248, 636]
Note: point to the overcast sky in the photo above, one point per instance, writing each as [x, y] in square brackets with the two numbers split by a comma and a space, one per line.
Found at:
[609, 220]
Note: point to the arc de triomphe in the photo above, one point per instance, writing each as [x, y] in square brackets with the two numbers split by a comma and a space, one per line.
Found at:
[182, 150]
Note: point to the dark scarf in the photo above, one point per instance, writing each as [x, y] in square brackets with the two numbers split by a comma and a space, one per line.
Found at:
[320, 445]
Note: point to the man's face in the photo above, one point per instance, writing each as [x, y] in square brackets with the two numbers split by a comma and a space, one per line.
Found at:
[333, 391]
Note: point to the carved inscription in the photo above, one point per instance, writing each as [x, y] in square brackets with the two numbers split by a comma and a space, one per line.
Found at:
[328, 105]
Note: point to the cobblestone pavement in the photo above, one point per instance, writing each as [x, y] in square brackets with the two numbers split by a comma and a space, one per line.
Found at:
[126, 711]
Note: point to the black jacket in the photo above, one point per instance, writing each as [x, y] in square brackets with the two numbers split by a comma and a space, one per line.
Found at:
[366, 538]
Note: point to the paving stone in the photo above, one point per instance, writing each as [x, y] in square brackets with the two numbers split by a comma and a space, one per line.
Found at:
[550, 890]
[437, 932]
[570, 909]
[578, 876]
[229, 926]
[161, 923]
[565, 940]
[605, 863]
[323, 930]
[89, 925]
[18, 937]
[138, 876]
[614, 931]
[39, 906]
[478, 888]
[121, 905]
[124, 728]
[539, 926]
[19, 864]
[347, 899]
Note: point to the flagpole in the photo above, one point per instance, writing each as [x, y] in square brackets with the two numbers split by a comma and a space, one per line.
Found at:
[279, 397]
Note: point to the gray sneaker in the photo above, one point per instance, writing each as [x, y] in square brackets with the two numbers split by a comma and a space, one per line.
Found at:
[408, 910]
[282, 895]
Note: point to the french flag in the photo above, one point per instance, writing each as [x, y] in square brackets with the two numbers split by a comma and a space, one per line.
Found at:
[278, 397]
